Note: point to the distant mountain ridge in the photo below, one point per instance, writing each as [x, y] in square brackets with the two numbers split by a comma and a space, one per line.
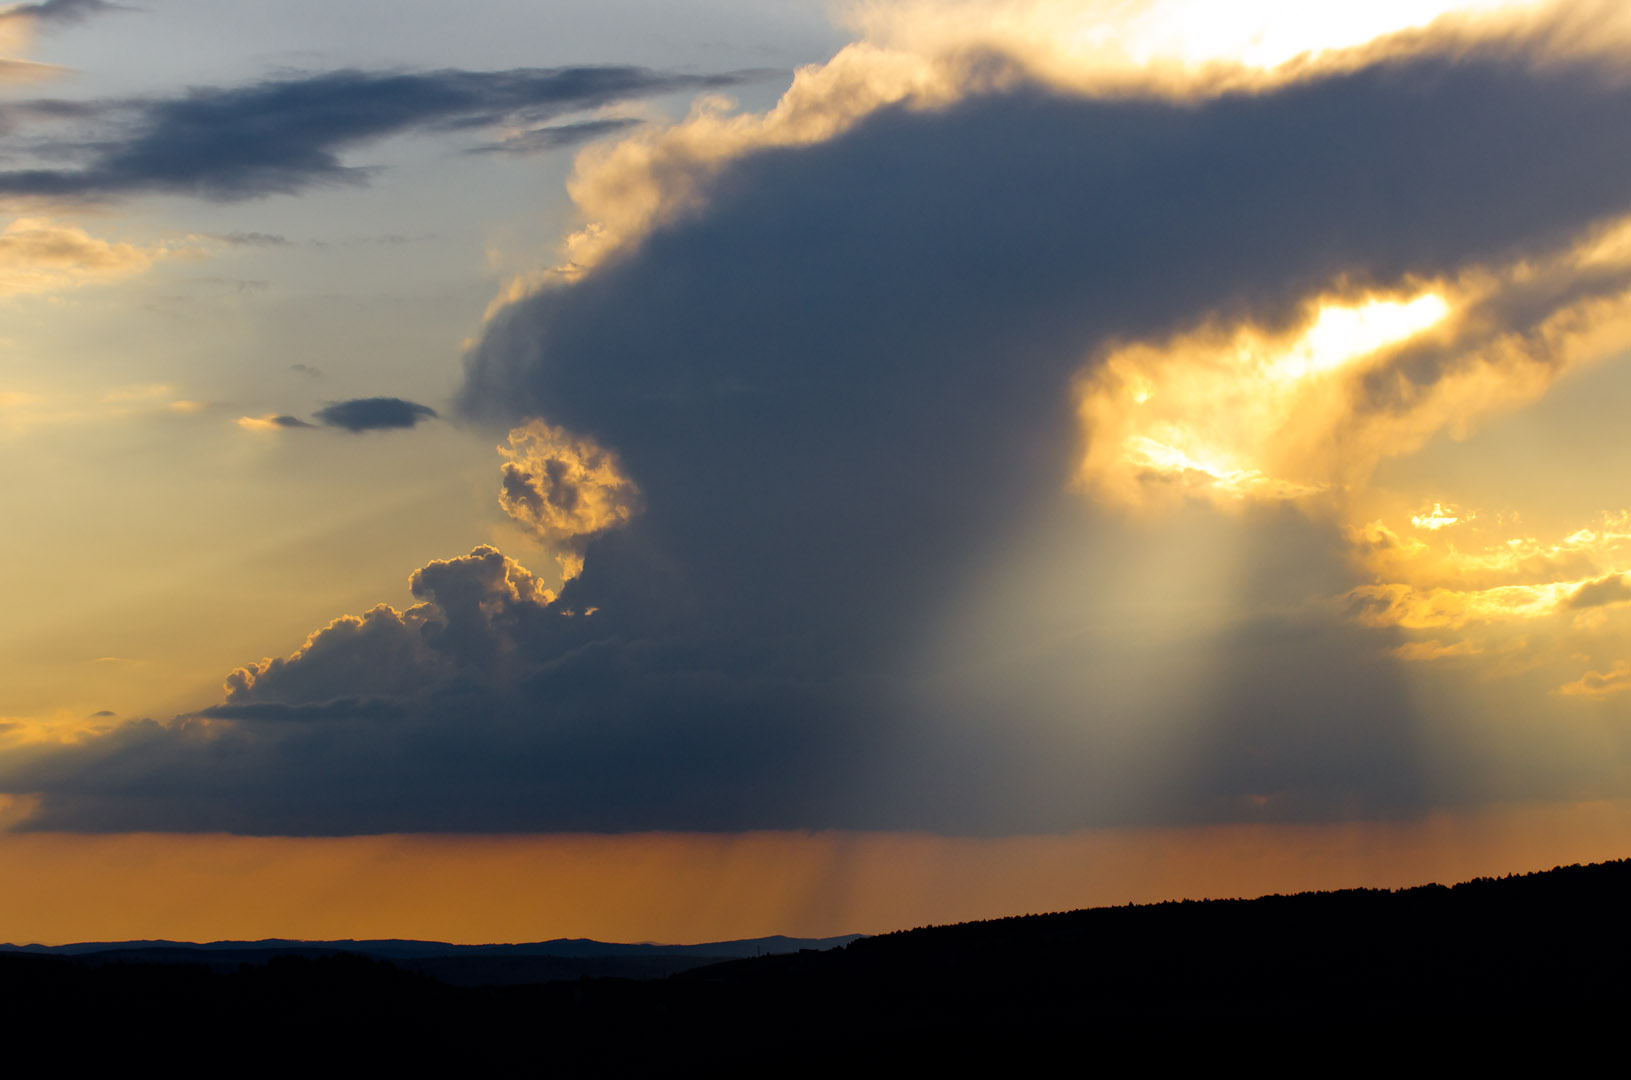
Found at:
[409, 948]
[496, 964]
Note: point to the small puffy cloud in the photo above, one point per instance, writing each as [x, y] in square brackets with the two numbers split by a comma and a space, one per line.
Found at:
[564, 489]
[61, 728]
[272, 422]
[38, 255]
[1377, 540]
[1440, 517]
[1599, 684]
[375, 414]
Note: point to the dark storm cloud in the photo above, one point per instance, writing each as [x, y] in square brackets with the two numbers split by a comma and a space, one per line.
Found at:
[858, 593]
[285, 135]
[375, 414]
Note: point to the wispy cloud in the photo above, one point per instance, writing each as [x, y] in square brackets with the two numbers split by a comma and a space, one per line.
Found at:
[556, 137]
[57, 11]
[273, 422]
[287, 135]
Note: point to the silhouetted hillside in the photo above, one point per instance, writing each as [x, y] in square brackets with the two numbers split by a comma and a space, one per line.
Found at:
[1175, 980]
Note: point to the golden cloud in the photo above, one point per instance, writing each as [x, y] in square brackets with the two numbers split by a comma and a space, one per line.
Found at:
[1438, 585]
[1433, 649]
[1232, 413]
[268, 422]
[1189, 48]
[39, 256]
[1235, 412]
[1600, 684]
[470, 600]
[929, 53]
[59, 728]
[564, 489]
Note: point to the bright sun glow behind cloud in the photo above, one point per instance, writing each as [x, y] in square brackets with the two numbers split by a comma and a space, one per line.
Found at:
[1101, 43]
[930, 53]
[1202, 415]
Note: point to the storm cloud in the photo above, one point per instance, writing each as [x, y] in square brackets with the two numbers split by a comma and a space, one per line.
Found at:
[286, 135]
[858, 591]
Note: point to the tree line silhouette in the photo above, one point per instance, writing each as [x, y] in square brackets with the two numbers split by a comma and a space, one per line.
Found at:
[1173, 982]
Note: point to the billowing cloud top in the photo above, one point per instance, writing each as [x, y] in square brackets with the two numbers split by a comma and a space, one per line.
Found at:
[904, 369]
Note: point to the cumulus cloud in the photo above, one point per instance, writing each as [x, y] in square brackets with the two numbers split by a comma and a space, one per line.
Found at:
[471, 610]
[1508, 579]
[375, 414]
[286, 135]
[38, 255]
[1600, 684]
[843, 350]
[563, 489]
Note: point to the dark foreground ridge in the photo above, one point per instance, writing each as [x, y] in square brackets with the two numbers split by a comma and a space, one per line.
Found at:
[1173, 982]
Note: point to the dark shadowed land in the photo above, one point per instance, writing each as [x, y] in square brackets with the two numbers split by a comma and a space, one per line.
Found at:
[1346, 973]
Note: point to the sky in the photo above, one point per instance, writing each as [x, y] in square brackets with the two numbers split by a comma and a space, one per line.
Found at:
[687, 470]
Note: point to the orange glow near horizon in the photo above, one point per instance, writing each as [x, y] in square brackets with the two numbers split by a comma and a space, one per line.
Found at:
[676, 887]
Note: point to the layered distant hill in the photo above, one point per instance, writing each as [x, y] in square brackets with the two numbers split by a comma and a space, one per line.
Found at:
[1343, 973]
[460, 965]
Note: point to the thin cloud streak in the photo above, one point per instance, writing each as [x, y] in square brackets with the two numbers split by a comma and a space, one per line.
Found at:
[58, 11]
[282, 136]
